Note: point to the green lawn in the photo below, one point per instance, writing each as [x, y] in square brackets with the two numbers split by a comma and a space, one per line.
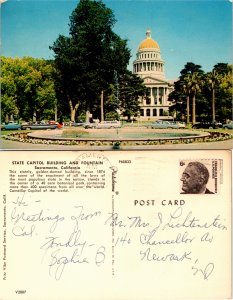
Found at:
[6, 132]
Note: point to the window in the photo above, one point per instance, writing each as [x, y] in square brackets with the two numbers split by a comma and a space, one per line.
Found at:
[148, 112]
[148, 98]
[154, 112]
[148, 101]
[142, 112]
[154, 91]
[161, 112]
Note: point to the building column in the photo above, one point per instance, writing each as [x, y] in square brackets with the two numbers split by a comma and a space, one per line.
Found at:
[157, 96]
[165, 96]
[151, 96]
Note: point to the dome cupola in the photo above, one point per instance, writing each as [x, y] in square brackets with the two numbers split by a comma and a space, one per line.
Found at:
[148, 59]
[148, 42]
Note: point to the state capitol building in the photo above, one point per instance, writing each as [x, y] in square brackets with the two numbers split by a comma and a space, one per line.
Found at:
[149, 65]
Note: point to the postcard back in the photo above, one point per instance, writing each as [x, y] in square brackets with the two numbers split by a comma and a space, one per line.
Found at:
[115, 225]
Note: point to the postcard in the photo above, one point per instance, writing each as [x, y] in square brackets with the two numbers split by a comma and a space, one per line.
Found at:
[134, 70]
[90, 212]
[115, 225]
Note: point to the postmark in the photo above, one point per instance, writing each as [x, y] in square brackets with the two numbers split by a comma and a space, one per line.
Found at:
[93, 160]
[200, 176]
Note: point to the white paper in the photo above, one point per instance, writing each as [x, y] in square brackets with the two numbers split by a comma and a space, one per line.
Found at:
[114, 225]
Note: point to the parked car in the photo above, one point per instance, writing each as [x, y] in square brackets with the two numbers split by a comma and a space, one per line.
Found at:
[108, 124]
[228, 125]
[52, 122]
[160, 124]
[77, 124]
[11, 126]
[103, 125]
[180, 124]
[39, 126]
[87, 125]
[207, 125]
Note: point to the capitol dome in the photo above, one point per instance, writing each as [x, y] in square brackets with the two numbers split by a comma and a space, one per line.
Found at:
[149, 66]
[148, 42]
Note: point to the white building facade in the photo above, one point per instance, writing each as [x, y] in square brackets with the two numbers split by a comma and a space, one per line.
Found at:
[149, 65]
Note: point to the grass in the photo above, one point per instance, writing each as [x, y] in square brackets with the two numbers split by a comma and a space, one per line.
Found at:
[78, 132]
[6, 132]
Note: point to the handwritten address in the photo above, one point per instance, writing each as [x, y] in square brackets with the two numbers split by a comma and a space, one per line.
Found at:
[84, 237]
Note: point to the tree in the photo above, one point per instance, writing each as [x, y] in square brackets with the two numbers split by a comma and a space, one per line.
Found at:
[190, 68]
[221, 68]
[224, 95]
[69, 75]
[44, 99]
[131, 89]
[190, 81]
[89, 56]
[212, 91]
[8, 92]
[27, 87]
[213, 79]
[186, 86]
[195, 84]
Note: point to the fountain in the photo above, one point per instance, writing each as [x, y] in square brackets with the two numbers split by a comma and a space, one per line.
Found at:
[117, 138]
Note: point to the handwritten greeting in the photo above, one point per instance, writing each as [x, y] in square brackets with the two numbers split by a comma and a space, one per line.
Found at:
[69, 240]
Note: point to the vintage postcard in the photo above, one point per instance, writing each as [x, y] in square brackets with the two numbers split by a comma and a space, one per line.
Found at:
[88, 89]
[130, 75]
[115, 225]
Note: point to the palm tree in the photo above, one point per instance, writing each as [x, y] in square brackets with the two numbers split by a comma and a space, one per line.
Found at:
[213, 79]
[191, 83]
[186, 89]
[191, 68]
[195, 84]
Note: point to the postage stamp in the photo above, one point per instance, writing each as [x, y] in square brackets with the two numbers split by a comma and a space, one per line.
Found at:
[203, 176]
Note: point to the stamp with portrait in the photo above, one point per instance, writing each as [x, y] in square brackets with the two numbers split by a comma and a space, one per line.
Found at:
[203, 176]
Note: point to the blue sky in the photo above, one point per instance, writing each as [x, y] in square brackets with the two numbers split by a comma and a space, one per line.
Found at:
[196, 31]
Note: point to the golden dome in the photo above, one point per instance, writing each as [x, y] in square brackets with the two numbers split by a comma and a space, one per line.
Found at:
[148, 42]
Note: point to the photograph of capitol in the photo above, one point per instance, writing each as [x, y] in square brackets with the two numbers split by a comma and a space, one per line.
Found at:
[115, 75]
[150, 66]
